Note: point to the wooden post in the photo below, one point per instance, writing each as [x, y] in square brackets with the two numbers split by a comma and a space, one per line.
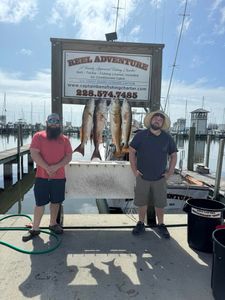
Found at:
[208, 150]
[18, 152]
[30, 163]
[219, 169]
[21, 144]
[191, 149]
[57, 74]
[8, 177]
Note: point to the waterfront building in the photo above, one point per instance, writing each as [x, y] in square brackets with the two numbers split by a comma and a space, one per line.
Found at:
[180, 126]
[199, 121]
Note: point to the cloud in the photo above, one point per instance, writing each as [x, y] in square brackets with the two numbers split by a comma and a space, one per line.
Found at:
[135, 31]
[217, 15]
[187, 23]
[156, 3]
[196, 62]
[26, 52]
[193, 94]
[12, 82]
[14, 11]
[90, 17]
[202, 39]
[24, 95]
[219, 28]
[215, 5]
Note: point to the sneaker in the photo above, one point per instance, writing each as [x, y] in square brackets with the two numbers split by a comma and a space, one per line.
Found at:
[56, 228]
[139, 228]
[30, 235]
[163, 231]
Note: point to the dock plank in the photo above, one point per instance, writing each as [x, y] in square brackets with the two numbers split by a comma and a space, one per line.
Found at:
[11, 154]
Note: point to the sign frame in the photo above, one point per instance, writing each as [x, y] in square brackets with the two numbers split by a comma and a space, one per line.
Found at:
[108, 49]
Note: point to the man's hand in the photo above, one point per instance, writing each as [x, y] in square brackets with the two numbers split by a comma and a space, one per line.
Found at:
[51, 170]
[167, 175]
[138, 173]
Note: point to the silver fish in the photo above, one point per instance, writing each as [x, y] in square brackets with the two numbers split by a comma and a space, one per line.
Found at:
[126, 123]
[87, 124]
[115, 124]
[100, 119]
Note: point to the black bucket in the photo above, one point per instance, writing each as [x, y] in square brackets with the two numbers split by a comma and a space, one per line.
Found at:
[203, 217]
[218, 266]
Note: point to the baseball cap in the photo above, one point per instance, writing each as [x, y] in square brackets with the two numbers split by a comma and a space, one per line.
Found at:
[53, 119]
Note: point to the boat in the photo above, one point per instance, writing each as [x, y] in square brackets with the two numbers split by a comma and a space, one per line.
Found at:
[179, 190]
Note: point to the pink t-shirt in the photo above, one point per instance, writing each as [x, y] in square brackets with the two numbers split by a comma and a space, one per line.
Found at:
[52, 152]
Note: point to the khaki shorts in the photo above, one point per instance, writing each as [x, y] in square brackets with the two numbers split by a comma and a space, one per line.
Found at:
[150, 192]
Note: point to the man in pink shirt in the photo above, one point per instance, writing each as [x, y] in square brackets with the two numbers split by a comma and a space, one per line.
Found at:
[51, 151]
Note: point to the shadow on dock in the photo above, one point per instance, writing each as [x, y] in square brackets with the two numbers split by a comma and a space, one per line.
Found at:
[113, 264]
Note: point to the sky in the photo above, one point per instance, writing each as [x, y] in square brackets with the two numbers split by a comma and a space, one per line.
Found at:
[198, 80]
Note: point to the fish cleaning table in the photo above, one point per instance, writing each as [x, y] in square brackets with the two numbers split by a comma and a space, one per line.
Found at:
[100, 179]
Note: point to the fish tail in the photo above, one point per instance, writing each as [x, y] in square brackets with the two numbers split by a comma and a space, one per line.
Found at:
[96, 154]
[80, 149]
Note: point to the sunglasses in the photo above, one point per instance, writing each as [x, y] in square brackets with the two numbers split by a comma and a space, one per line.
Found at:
[53, 121]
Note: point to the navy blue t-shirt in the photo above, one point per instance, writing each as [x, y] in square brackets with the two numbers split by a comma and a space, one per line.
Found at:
[152, 153]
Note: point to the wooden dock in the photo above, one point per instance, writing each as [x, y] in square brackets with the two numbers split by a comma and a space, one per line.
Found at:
[12, 154]
[206, 179]
[15, 156]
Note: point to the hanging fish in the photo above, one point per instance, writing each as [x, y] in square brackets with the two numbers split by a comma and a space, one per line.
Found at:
[100, 119]
[115, 124]
[126, 115]
[87, 124]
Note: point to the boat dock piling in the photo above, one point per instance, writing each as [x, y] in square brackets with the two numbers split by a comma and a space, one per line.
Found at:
[191, 149]
[219, 168]
[209, 138]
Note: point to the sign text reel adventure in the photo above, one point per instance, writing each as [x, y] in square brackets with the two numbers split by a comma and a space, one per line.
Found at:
[108, 59]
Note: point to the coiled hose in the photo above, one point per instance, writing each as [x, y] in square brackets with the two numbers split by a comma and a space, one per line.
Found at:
[56, 237]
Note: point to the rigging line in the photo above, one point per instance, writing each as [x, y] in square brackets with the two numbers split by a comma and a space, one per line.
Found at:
[175, 58]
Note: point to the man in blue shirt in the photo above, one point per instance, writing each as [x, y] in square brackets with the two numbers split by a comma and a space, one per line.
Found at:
[149, 153]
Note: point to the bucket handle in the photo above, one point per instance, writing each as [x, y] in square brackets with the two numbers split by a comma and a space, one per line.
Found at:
[186, 208]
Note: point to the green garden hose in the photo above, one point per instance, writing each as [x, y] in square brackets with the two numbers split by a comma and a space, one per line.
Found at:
[58, 240]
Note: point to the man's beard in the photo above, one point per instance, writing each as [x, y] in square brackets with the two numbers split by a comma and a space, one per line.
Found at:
[155, 127]
[53, 133]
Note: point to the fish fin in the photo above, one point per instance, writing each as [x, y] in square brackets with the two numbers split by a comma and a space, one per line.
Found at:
[96, 154]
[80, 149]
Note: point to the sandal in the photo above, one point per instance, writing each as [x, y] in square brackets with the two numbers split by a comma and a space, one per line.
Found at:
[56, 228]
[30, 235]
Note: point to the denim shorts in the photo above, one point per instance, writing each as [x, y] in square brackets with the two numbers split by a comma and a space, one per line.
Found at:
[150, 192]
[49, 190]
